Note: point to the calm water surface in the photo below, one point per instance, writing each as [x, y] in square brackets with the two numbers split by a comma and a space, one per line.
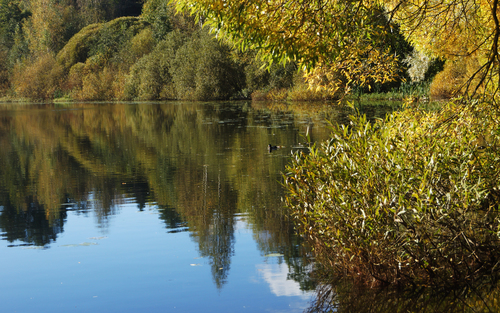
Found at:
[157, 207]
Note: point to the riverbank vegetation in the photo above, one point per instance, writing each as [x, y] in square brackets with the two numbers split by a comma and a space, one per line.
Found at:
[77, 50]
[407, 200]
[134, 50]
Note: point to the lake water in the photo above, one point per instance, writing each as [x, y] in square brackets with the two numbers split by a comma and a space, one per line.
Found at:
[152, 207]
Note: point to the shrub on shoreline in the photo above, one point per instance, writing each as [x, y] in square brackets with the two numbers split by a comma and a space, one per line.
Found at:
[410, 200]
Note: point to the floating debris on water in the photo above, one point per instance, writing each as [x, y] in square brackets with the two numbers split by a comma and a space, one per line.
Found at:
[270, 255]
[83, 244]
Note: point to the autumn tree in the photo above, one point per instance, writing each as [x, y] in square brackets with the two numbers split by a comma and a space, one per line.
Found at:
[11, 17]
[45, 28]
[466, 32]
[158, 13]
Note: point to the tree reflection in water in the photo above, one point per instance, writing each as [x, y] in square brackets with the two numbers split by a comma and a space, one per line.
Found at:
[199, 164]
[30, 225]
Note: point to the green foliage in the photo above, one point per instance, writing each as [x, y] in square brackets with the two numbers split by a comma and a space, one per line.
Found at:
[323, 38]
[105, 40]
[157, 13]
[261, 80]
[115, 35]
[150, 77]
[99, 52]
[78, 47]
[11, 18]
[192, 67]
[142, 43]
[181, 66]
[203, 69]
[12, 40]
[4, 73]
[411, 200]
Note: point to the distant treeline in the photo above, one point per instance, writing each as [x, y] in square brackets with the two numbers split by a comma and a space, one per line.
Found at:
[135, 50]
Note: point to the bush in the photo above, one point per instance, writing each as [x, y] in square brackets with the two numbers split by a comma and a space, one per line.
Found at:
[106, 84]
[204, 70]
[78, 47]
[450, 81]
[4, 72]
[411, 200]
[150, 77]
[268, 83]
[98, 52]
[301, 91]
[456, 78]
[157, 13]
[141, 44]
[38, 80]
[107, 40]
[74, 80]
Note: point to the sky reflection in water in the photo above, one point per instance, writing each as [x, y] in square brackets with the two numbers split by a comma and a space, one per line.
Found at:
[136, 265]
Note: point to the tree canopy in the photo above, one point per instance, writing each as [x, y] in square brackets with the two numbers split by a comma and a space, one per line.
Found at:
[353, 37]
[465, 31]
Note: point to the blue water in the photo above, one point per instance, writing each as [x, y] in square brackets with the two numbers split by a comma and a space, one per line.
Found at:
[136, 265]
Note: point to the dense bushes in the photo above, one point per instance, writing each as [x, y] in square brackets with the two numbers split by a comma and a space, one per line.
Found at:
[449, 82]
[150, 77]
[98, 58]
[203, 69]
[411, 200]
[158, 14]
[4, 73]
[128, 58]
[40, 79]
[194, 67]
[456, 78]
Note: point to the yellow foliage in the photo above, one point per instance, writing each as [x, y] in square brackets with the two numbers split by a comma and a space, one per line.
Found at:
[39, 79]
[449, 82]
[458, 31]
[98, 85]
[351, 38]
[46, 26]
[74, 80]
[326, 37]
[456, 79]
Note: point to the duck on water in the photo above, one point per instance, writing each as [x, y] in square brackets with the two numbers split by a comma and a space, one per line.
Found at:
[271, 148]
